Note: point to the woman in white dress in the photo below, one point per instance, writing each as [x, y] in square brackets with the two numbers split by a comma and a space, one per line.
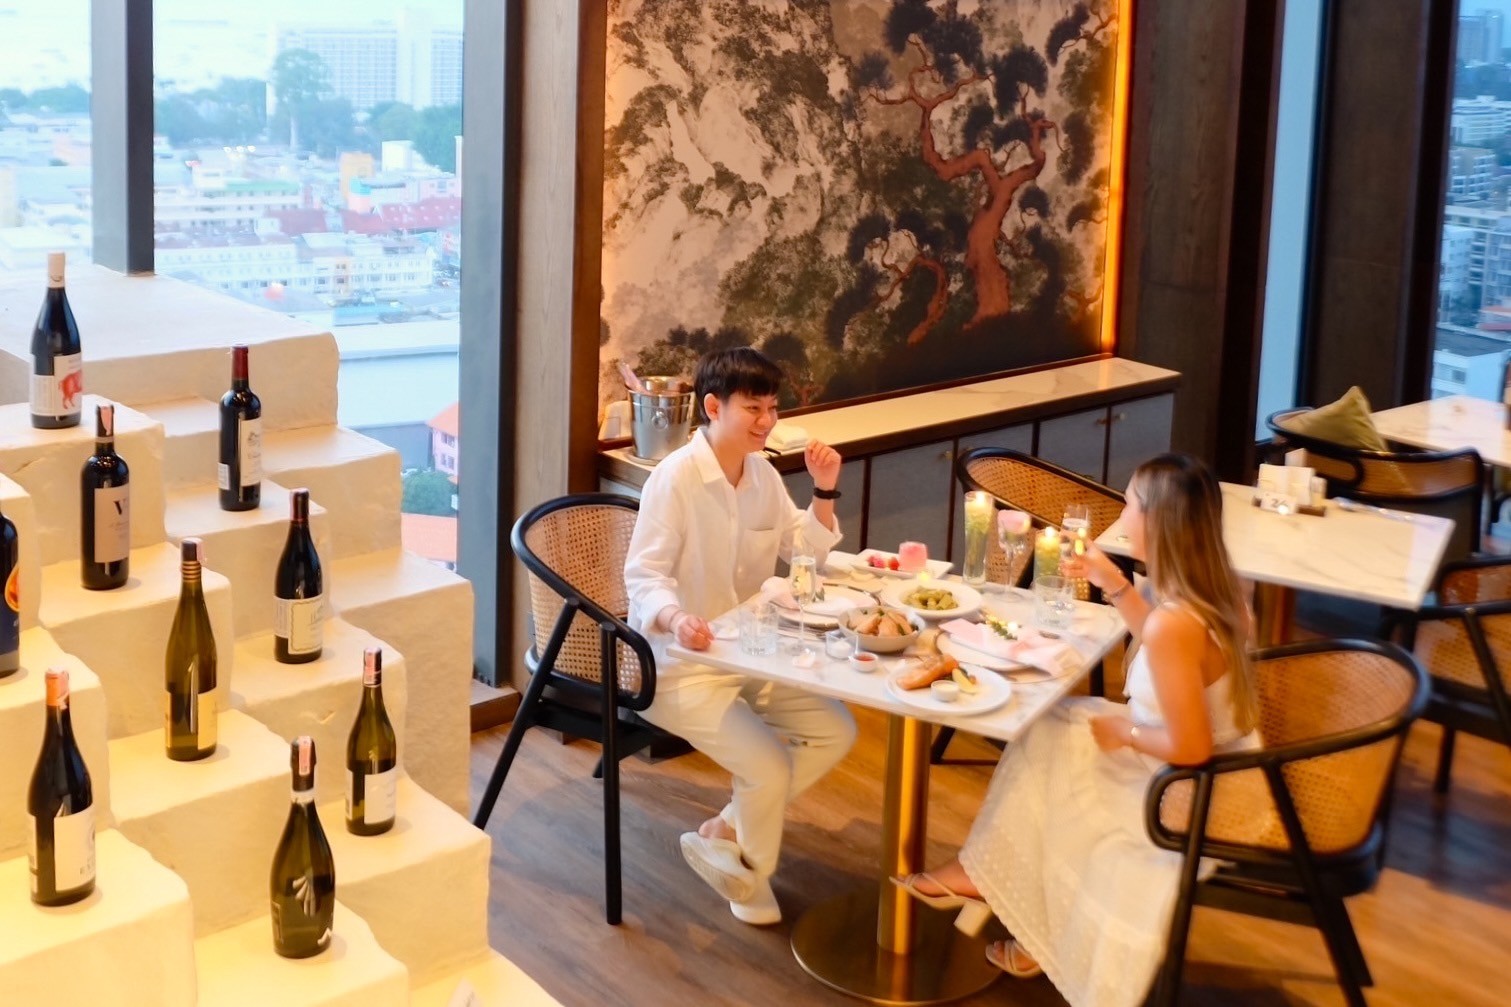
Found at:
[1059, 851]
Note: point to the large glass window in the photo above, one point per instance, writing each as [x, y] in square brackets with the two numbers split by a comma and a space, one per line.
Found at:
[1473, 340]
[44, 133]
[307, 162]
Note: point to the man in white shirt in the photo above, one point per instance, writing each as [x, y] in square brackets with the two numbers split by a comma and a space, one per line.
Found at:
[714, 517]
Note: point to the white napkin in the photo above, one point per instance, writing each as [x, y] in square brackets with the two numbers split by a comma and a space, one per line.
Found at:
[979, 636]
[1031, 648]
[779, 592]
[786, 437]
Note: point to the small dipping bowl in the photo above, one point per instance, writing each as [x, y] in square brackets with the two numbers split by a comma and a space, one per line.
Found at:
[945, 691]
[862, 661]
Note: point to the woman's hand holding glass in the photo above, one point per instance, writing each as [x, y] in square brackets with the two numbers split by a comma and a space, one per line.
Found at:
[1095, 566]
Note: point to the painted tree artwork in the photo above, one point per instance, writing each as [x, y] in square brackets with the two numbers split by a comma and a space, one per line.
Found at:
[879, 194]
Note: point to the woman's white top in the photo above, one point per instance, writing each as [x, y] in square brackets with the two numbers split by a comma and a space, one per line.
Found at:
[1143, 702]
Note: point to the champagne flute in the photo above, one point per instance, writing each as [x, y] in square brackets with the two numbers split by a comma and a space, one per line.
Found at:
[803, 578]
[1015, 532]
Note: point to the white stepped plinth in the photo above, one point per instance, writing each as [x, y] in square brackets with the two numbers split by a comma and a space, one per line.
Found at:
[320, 698]
[17, 505]
[354, 477]
[431, 856]
[426, 612]
[191, 439]
[123, 634]
[130, 943]
[152, 338]
[239, 968]
[493, 979]
[214, 822]
[23, 697]
[243, 545]
[47, 464]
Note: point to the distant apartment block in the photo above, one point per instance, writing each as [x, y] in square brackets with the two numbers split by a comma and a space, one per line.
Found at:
[1453, 266]
[445, 428]
[215, 201]
[411, 61]
[1479, 122]
[333, 266]
[1481, 37]
[1471, 174]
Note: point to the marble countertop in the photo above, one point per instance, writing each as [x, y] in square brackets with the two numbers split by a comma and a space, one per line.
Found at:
[1094, 631]
[1449, 424]
[906, 420]
[1349, 554]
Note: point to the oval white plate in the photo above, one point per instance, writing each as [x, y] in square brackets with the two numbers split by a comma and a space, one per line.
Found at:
[968, 598]
[995, 691]
[935, 567]
[820, 620]
[970, 655]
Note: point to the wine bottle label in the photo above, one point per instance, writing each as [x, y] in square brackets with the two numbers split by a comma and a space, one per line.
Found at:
[249, 451]
[60, 393]
[378, 792]
[112, 523]
[72, 847]
[300, 621]
[223, 475]
[10, 616]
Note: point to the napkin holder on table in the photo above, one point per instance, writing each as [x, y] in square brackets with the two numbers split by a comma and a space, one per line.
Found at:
[1290, 489]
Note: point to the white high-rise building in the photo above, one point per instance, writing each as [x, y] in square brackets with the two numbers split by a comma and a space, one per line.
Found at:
[411, 61]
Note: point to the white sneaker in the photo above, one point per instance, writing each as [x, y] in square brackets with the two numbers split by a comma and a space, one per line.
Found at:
[717, 861]
[761, 909]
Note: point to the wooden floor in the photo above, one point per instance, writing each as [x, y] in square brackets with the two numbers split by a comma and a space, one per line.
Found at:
[1436, 930]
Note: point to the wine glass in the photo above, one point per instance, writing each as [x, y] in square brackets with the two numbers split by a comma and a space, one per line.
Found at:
[803, 579]
[1015, 532]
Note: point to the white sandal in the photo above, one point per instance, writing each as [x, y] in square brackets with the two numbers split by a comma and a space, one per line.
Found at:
[1009, 955]
[974, 912]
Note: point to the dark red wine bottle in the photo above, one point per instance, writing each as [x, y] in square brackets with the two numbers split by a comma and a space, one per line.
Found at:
[105, 526]
[57, 357]
[60, 804]
[239, 472]
[10, 610]
[298, 590]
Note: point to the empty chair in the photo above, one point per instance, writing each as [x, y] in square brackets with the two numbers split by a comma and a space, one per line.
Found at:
[586, 663]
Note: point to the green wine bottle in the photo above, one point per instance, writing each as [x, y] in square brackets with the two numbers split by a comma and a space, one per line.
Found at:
[303, 881]
[372, 757]
[189, 673]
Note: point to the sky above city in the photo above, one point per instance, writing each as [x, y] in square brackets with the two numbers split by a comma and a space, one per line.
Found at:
[45, 43]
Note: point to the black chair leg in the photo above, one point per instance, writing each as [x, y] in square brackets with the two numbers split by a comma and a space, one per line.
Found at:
[1167, 982]
[941, 745]
[1097, 682]
[609, 763]
[598, 769]
[1349, 939]
[523, 718]
[1445, 761]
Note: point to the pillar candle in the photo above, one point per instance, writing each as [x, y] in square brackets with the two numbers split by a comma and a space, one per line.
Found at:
[1047, 553]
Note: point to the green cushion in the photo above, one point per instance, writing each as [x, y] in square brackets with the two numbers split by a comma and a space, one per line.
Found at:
[1346, 422]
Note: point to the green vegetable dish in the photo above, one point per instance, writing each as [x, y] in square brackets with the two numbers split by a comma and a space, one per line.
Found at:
[931, 599]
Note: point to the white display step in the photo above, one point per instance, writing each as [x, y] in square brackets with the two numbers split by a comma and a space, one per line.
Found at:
[152, 338]
[425, 611]
[191, 438]
[214, 822]
[493, 981]
[244, 546]
[354, 477]
[320, 698]
[123, 634]
[47, 464]
[432, 856]
[129, 944]
[239, 968]
[23, 698]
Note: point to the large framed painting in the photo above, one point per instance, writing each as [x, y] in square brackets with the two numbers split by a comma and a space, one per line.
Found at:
[879, 194]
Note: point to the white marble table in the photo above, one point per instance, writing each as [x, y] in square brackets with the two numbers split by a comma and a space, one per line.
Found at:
[1449, 424]
[862, 943]
[1365, 555]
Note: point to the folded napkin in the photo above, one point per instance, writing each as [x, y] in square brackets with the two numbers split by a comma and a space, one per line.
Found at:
[786, 436]
[1031, 648]
[779, 592]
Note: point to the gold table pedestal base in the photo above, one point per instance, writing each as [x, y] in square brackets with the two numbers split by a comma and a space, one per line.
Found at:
[835, 942]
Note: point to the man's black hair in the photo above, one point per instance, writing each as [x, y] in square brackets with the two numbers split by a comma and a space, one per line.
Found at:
[741, 369]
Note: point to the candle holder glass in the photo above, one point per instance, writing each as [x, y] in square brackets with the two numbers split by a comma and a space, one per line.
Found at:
[979, 509]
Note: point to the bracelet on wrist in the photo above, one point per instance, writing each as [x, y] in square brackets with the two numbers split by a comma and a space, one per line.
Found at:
[819, 494]
[1133, 737]
[1113, 596]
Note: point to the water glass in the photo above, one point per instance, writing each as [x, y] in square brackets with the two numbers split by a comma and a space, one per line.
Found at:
[757, 625]
[837, 644]
[1054, 604]
[1015, 533]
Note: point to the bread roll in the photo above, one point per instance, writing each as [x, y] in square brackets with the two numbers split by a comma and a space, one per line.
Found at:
[929, 670]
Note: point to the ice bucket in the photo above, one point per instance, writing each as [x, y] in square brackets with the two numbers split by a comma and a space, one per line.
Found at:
[661, 417]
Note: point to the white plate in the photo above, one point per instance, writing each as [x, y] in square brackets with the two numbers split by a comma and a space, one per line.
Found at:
[970, 655]
[935, 567]
[995, 691]
[968, 598]
[819, 620]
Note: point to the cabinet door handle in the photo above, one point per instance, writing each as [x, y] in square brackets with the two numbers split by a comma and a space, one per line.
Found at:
[948, 454]
[1119, 417]
[1103, 421]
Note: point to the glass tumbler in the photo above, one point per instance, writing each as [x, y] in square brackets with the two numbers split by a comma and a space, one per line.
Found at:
[758, 628]
[1054, 606]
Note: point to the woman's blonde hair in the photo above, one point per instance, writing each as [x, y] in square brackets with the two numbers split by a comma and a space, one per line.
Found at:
[1188, 563]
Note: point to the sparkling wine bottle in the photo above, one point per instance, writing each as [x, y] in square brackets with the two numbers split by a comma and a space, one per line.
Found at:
[372, 757]
[240, 469]
[57, 357]
[10, 610]
[189, 674]
[302, 885]
[298, 590]
[105, 532]
[60, 804]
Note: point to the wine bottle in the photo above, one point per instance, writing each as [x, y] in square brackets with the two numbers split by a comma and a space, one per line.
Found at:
[298, 590]
[10, 610]
[372, 757]
[190, 713]
[57, 357]
[105, 532]
[60, 804]
[240, 470]
[303, 882]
